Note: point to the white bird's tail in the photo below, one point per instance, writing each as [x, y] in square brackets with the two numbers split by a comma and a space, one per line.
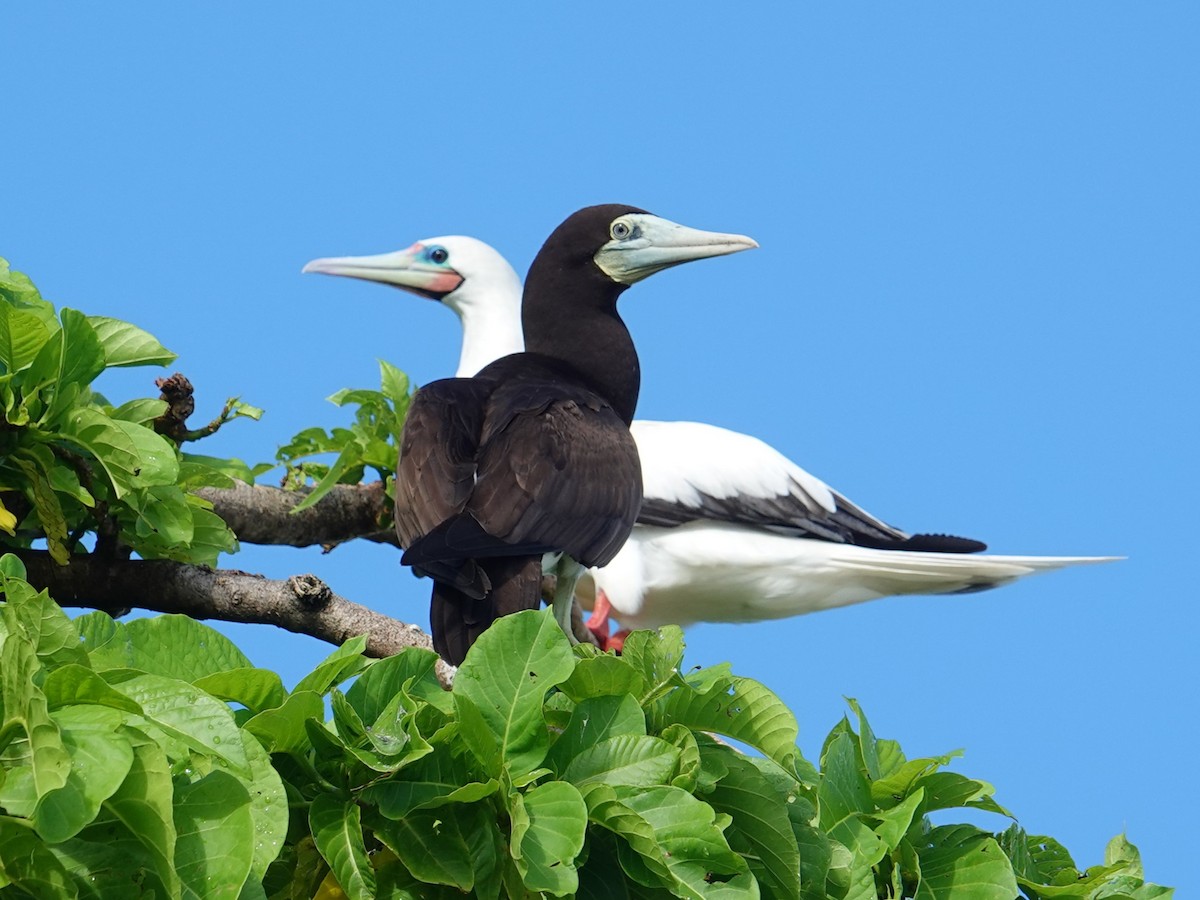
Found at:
[890, 572]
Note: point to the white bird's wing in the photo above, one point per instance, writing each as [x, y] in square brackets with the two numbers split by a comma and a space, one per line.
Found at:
[692, 471]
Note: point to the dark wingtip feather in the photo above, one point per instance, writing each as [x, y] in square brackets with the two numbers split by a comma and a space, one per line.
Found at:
[942, 543]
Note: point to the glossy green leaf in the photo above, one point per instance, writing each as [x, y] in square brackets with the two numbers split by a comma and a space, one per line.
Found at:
[214, 846]
[342, 663]
[549, 822]
[337, 828]
[22, 335]
[761, 830]
[739, 708]
[189, 715]
[255, 689]
[626, 759]
[181, 647]
[593, 720]
[282, 729]
[962, 864]
[27, 864]
[454, 845]
[436, 779]
[142, 411]
[686, 837]
[128, 345]
[72, 685]
[375, 688]
[25, 709]
[601, 676]
[132, 456]
[143, 804]
[100, 759]
[507, 674]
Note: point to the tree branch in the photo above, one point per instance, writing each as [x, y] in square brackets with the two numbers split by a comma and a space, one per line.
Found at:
[263, 515]
[302, 604]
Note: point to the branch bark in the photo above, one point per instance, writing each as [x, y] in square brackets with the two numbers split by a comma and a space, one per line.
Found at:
[264, 515]
[302, 604]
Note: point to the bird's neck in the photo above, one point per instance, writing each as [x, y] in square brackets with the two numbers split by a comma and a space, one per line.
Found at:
[572, 316]
[491, 327]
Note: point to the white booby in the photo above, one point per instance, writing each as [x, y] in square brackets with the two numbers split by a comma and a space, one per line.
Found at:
[730, 530]
[533, 455]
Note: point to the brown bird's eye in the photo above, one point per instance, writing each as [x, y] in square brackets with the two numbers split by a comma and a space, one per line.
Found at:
[620, 230]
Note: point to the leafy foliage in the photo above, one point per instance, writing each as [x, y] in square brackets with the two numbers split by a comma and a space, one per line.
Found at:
[153, 758]
[371, 442]
[71, 463]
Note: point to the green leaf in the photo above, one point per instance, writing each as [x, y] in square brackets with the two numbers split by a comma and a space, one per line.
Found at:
[37, 464]
[761, 830]
[549, 822]
[342, 663]
[73, 685]
[73, 356]
[24, 707]
[180, 647]
[33, 613]
[22, 335]
[603, 675]
[227, 469]
[268, 806]
[128, 345]
[670, 831]
[1120, 851]
[100, 760]
[383, 679]
[104, 640]
[27, 864]
[189, 715]
[282, 730]
[895, 822]
[337, 828]
[103, 871]
[656, 656]
[141, 411]
[255, 689]
[594, 720]
[214, 847]
[143, 805]
[453, 845]
[163, 516]
[439, 778]
[394, 384]
[626, 759]
[507, 674]
[132, 456]
[958, 867]
[739, 708]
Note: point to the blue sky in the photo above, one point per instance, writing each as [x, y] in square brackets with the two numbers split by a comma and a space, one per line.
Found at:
[973, 309]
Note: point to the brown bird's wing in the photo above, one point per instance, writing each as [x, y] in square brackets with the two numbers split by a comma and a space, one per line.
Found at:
[559, 469]
[436, 471]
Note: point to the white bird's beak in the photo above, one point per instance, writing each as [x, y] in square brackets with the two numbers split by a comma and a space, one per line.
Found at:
[653, 244]
[407, 269]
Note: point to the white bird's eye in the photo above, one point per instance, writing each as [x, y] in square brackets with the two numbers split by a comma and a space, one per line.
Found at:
[620, 230]
[439, 254]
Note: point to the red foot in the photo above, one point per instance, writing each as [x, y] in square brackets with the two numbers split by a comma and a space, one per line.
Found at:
[617, 641]
[598, 623]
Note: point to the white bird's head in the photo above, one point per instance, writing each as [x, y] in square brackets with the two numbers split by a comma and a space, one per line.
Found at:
[463, 273]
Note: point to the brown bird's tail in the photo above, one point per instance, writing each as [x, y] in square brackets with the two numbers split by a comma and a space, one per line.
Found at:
[457, 620]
